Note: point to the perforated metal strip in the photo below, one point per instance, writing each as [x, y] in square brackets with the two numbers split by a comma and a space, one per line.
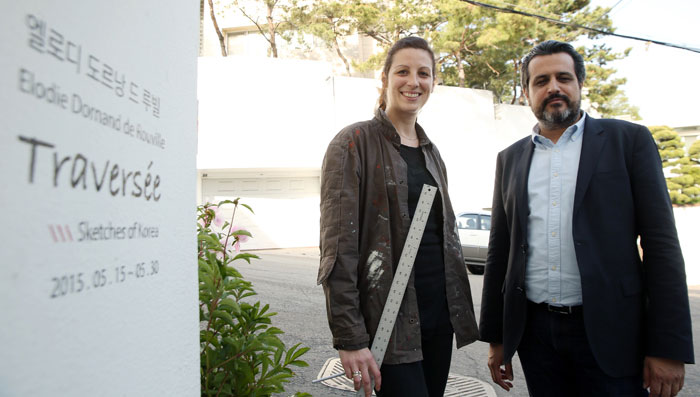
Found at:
[403, 273]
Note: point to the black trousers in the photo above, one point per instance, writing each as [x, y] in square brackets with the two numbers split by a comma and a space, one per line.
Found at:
[426, 378]
[558, 361]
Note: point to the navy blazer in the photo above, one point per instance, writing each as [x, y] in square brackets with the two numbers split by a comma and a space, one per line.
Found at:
[632, 307]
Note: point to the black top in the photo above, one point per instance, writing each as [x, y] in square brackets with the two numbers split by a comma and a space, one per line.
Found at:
[429, 266]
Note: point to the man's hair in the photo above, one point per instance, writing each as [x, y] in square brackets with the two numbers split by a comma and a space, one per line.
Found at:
[407, 42]
[550, 47]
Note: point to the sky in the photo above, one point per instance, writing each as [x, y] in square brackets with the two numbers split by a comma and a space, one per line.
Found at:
[663, 82]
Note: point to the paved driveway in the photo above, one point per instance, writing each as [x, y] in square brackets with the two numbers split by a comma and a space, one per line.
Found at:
[286, 279]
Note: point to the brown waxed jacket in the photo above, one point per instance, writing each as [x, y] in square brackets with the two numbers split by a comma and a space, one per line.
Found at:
[364, 224]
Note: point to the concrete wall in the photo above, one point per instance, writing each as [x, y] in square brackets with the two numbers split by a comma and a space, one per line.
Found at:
[688, 224]
[260, 112]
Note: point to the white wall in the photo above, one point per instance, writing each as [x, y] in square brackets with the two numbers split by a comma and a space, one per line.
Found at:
[688, 225]
[90, 306]
[263, 112]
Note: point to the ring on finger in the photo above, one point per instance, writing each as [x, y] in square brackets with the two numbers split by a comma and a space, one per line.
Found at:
[356, 373]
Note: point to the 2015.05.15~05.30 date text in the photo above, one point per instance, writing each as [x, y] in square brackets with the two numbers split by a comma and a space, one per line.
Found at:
[76, 283]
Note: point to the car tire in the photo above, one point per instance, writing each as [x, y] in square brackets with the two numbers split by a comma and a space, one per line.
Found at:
[476, 269]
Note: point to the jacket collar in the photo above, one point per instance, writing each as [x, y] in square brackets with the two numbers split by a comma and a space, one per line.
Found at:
[390, 133]
[527, 147]
[591, 148]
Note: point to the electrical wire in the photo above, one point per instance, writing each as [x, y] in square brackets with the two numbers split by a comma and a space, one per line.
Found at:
[574, 25]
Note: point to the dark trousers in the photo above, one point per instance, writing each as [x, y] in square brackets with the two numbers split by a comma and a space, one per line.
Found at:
[426, 378]
[558, 361]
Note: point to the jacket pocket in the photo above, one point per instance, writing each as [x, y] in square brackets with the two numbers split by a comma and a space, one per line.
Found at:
[325, 268]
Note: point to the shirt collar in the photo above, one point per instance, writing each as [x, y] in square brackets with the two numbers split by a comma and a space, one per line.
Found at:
[572, 133]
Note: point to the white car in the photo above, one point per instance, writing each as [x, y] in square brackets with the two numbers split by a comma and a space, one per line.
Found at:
[474, 228]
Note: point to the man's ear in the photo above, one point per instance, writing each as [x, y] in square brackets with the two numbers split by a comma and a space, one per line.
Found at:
[526, 92]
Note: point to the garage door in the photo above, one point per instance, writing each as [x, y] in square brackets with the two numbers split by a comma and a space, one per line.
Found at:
[286, 208]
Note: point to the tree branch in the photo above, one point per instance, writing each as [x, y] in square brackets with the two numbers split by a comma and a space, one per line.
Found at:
[222, 42]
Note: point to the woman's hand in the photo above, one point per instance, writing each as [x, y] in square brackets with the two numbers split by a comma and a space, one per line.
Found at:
[360, 366]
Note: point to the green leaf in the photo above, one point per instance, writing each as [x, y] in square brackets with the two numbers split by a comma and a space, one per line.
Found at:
[245, 256]
[234, 202]
[230, 305]
[223, 315]
[248, 207]
[241, 232]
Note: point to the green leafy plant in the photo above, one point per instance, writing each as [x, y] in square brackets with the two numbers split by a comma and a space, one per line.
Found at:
[240, 351]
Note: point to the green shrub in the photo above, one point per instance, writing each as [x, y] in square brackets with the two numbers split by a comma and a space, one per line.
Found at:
[240, 351]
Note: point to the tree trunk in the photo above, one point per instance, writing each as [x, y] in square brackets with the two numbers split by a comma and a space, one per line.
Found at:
[222, 42]
[515, 81]
[201, 26]
[340, 54]
[460, 69]
[271, 29]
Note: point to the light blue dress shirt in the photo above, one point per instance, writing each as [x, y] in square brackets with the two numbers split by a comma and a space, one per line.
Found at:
[552, 273]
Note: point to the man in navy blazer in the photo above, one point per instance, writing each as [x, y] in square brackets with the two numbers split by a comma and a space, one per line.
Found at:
[564, 284]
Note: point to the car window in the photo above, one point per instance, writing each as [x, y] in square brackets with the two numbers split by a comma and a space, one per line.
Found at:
[467, 221]
[485, 222]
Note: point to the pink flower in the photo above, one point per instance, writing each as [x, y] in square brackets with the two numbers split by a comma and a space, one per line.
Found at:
[218, 220]
[234, 242]
[241, 238]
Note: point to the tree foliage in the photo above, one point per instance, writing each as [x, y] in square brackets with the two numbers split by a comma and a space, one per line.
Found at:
[476, 47]
[329, 21]
[684, 186]
[603, 89]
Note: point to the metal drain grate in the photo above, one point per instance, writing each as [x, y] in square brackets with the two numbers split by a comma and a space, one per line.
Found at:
[457, 385]
[332, 367]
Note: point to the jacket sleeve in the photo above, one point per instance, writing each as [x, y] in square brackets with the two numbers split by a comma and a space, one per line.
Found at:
[668, 324]
[339, 243]
[491, 319]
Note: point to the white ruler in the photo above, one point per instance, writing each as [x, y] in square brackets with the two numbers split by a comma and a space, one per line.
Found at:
[403, 272]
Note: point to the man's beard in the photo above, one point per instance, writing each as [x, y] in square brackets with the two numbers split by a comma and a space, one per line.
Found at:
[558, 118]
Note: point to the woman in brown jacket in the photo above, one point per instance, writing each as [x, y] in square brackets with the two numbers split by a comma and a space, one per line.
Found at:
[372, 177]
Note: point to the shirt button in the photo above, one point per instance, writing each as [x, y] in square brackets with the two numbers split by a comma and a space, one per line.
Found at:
[554, 268]
[554, 203]
[554, 234]
[556, 174]
[554, 299]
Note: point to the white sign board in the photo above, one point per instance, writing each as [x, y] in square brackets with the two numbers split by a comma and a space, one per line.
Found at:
[98, 276]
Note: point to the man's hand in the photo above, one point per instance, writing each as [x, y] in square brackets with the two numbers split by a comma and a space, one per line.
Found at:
[362, 361]
[664, 377]
[499, 375]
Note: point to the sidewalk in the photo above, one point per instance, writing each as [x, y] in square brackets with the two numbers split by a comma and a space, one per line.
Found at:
[303, 252]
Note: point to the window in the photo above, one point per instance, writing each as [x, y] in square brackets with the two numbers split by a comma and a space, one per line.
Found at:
[467, 221]
[246, 42]
[485, 222]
